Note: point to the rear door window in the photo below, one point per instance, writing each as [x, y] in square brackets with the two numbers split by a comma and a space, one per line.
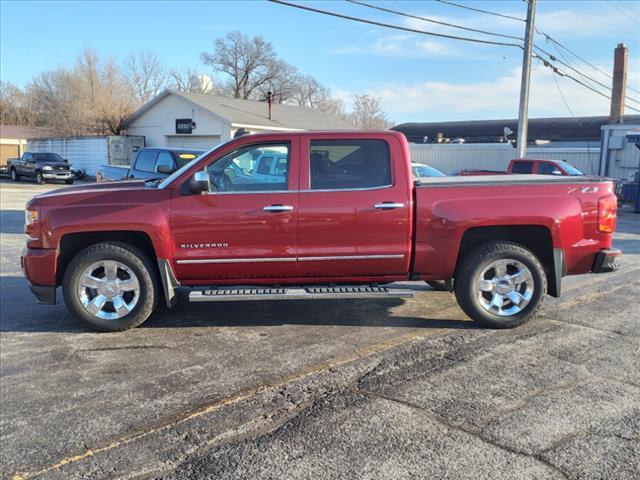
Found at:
[349, 164]
[545, 168]
[522, 167]
[146, 161]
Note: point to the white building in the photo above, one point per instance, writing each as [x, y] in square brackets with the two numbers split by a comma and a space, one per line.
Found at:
[199, 120]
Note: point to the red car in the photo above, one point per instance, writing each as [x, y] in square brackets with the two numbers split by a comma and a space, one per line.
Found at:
[342, 217]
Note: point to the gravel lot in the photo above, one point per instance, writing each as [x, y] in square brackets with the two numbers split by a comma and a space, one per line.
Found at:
[329, 389]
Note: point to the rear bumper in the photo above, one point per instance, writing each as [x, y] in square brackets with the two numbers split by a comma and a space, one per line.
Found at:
[606, 261]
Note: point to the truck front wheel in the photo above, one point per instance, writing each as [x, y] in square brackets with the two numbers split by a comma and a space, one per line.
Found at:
[112, 286]
[39, 178]
[14, 175]
[500, 285]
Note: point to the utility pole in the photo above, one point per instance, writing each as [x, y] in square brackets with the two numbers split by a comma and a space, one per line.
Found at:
[523, 112]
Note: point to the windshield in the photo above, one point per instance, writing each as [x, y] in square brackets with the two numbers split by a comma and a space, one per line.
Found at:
[570, 169]
[47, 157]
[184, 157]
[169, 180]
[426, 171]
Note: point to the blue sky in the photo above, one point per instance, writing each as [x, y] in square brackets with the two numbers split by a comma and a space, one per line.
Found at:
[417, 77]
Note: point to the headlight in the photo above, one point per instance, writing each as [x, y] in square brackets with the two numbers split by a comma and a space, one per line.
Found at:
[47, 167]
[31, 216]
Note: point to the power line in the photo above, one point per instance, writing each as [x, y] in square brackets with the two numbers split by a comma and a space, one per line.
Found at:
[555, 59]
[563, 74]
[481, 11]
[395, 27]
[551, 56]
[555, 79]
[554, 41]
[425, 19]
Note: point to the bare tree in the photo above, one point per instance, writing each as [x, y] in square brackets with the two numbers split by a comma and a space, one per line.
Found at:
[367, 113]
[192, 81]
[250, 63]
[145, 74]
[308, 92]
[282, 84]
[16, 107]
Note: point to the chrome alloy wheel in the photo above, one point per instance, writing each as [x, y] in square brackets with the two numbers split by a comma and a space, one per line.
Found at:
[505, 287]
[108, 289]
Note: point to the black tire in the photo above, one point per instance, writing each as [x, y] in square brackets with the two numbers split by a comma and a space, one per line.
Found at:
[472, 265]
[69, 182]
[133, 258]
[14, 175]
[40, 179]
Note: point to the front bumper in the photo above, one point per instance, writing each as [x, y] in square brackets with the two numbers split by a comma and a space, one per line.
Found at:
[51, 175]
[606, 261]
[39, 266]
[45, 294]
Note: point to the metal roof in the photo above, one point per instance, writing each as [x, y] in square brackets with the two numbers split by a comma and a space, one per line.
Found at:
[21, 132]
[250, 112]
[481, 131]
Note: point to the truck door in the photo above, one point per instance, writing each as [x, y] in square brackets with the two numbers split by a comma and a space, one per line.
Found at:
[27, 166]
[355, 208]
[246, 226]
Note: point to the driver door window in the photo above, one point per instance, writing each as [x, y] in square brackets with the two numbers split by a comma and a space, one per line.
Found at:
[253, 168]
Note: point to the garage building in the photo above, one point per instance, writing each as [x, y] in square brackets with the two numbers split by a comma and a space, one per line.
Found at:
[200, 120]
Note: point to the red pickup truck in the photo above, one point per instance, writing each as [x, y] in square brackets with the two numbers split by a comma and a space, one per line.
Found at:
[342, 218]
[527, 166]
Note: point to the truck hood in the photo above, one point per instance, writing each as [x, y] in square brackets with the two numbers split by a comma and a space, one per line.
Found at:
[55, 164]
[105, 191]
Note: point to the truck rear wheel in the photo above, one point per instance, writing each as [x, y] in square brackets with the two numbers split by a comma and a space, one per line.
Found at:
[112, 286]
[500, 285]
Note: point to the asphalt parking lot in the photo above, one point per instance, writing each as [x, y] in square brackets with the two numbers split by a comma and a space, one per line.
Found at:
[329, 389]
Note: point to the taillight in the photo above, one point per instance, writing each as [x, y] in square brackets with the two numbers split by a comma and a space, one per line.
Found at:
[607, 213]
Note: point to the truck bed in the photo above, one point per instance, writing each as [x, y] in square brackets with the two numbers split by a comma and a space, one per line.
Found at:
[516, 179]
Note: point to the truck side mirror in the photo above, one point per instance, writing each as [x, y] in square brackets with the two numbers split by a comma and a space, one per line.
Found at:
[200, 183]
[165, 169]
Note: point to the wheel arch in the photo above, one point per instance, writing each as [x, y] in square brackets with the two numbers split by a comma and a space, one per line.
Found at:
[537, 238]
[72, 243]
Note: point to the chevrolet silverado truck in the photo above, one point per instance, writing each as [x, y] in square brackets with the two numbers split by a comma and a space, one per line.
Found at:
[149, 163]
[346, 219]
[529, 166]
[41, 167]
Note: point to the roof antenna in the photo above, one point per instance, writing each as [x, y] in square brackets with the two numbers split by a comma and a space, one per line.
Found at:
[269, 99]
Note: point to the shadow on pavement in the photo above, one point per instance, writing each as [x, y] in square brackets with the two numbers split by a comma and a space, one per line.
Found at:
[20, 313]
[12, 221]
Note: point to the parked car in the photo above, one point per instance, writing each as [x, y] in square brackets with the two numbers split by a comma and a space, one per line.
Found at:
[41, 167]
[345, 219]
[149, 163]
[422, 170]
[528, 166]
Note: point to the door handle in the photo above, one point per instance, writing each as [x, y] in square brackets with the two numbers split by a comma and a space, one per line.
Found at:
[278, 208]
[388, 205]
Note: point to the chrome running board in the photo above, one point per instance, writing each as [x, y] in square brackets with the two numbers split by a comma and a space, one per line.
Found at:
[220, 294]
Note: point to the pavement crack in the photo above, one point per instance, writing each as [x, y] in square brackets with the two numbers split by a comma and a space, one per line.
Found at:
[477, 434]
